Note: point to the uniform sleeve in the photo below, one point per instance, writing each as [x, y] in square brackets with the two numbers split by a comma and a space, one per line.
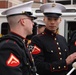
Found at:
[40, 63]
[10, 58]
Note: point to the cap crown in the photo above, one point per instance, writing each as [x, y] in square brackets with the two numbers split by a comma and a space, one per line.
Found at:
[21, 8]
[52, 8]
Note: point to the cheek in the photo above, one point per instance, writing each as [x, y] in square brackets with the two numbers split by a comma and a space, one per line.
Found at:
[30, 24]
[58, 23]
[47, 23]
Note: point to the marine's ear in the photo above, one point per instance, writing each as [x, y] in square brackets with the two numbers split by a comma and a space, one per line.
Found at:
[22, 21]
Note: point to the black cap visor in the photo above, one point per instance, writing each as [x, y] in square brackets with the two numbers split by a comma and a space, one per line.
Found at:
[25, 13]
[55, 15]
[33, 17]
[29, 14]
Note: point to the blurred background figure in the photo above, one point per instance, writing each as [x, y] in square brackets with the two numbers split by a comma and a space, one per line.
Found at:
[72, 42]
[40, 26]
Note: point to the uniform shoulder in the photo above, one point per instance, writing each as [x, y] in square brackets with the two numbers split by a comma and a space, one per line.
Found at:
[39, 35]
[10, 39]
[61, 37]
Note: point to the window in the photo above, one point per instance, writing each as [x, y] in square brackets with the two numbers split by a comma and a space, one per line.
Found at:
[5, 28]
[65, 2]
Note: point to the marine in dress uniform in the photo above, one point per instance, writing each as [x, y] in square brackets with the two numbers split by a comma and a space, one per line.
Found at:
[15, 59]
[50, 49]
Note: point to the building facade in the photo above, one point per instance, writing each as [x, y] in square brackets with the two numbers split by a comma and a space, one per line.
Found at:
[8, 3]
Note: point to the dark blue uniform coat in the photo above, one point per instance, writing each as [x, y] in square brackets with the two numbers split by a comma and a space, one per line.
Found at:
[15, 59]
[50, 51]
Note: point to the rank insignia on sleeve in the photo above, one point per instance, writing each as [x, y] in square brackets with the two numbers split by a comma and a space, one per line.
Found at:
[75, 43]
[36, 50]
[12, 61]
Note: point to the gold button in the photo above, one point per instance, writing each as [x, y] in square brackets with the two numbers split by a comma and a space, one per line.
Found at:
[42, 33]
[27, 63]
[55, 39]
[65, 50]
[52, 51]
[58, 48]
[53, 68]
[57, 43]
[60, 58]
[64, 66]
[60, 53]
[32, 59]
[30, 66]
[52, 34]
[59, 67]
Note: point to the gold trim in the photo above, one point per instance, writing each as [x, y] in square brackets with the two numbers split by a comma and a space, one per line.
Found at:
[53, 5]
[23, 12]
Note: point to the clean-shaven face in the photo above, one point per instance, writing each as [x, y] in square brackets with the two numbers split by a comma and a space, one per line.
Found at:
[52, 23]
[29, 25]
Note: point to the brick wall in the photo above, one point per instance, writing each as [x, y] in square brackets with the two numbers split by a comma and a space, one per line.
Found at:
[4, 4]
[15, 2]
[43, 1]
[38, 3]
[8, 3]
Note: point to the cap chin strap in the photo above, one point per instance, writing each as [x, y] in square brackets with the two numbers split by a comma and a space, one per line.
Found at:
[26, 13]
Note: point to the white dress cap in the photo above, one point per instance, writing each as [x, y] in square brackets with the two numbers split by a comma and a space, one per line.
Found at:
[19, 9]
[40, 22]
[52, 8]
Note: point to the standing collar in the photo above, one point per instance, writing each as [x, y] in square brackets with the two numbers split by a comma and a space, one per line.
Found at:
[49, 32]
[15, 34]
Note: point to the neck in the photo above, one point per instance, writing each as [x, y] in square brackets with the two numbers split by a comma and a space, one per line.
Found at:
[19, 32]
